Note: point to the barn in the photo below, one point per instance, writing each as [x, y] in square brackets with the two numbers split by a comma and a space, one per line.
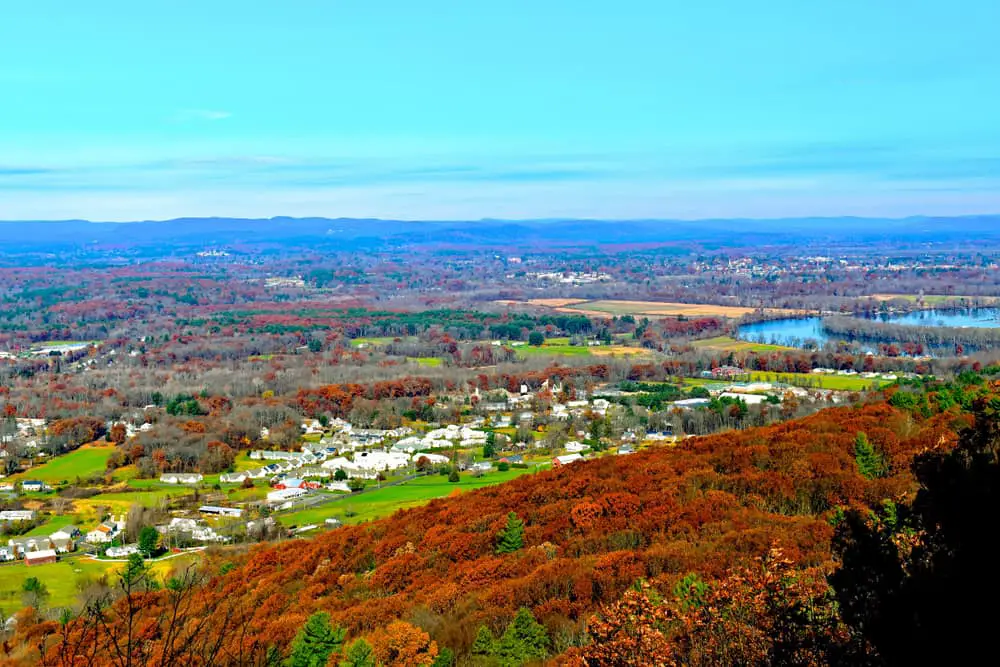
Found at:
[39, 557]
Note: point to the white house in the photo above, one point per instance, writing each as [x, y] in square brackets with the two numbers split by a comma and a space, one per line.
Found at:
[221, 511]
[431, 458]
[34, 485]
[17, 515]
[181, 478]
[575, 447]
[566, 459]
[749, 399]
[122, 552]
[66, 533]
[199, 530]
[282, 495]
[338, 486]
[103, 534]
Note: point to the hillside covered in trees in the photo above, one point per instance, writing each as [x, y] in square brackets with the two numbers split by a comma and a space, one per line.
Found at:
[798, 543]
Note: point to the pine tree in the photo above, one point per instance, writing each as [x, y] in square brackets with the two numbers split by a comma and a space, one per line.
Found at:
[490, 448]
[446, 658]
[870, 463]
[525, 639]
[484, 642]
[359, 654]
[316, 642]
[453, 476]
[511, 538]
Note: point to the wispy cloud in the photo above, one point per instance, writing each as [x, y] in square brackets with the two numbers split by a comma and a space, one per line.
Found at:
[189, 115]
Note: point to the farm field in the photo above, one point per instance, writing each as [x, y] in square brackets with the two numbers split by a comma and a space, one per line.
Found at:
[119, 502]
[550, 349]
[612, 350]
[728, 344]
[385, 501]
[654, 308]
[83, 462]
[930, 299]
[818, 381]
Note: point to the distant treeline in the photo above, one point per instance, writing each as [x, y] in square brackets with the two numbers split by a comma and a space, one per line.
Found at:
[856, 328]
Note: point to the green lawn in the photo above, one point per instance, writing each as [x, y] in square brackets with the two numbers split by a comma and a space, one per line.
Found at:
[820, 381]
[373, 341]
[555, 350]
[430, 362]
[385, 501]
[82, 462]
[53, 524]
[120, 501]
[65, 578]
[728, 344]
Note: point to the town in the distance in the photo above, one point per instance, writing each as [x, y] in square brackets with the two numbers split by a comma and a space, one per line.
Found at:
[486, 443]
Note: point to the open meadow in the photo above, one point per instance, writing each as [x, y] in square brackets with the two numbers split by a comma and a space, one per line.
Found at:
[67, 577]
[819, 381]
[87, 461]
[652, 309]
[729, 344]
[383, 502]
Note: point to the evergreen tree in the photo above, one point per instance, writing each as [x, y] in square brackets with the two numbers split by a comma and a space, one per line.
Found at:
[359, 654]
[148, 540]
[490, 448]
[453, 476]
[525, 639]
[340, 475]
[315, 642]
[511, 538]
[446, 658]
[870, 463]
[484, 642]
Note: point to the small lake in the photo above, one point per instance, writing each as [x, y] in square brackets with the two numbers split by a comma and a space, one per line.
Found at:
[983, 318]
[794, 332]
[808, 331]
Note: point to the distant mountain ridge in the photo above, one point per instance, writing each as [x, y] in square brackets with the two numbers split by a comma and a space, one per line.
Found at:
[547, 232]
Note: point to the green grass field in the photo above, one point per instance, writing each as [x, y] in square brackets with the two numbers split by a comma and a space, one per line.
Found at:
[374, 341]
[819, 381]
[728, 344]
[430, 362]
[383, 502]
[53, 524]
[555, 350]
[65, 578]
[82, 462]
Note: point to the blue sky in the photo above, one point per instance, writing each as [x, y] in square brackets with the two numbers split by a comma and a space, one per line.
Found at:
[120, 110]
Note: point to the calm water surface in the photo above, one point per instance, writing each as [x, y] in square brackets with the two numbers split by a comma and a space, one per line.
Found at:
[808, 331]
